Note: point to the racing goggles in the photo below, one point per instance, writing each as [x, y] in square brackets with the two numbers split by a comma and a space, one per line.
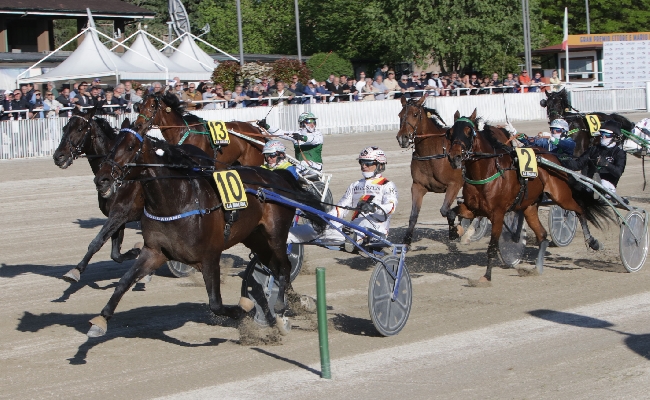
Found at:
[310, 121]
[271, 155]
[557, 130]
[606, 133]
[367, 163]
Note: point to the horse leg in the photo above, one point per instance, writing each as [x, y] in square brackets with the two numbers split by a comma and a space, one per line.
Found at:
[417, 194]
[532, 218]
[449, 212]
[493, 247]
[591, 241]
[211, 270]
[116, 241]
[149, 261]
[110, 227]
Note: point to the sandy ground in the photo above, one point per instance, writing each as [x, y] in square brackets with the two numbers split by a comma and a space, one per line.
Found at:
[577, 331]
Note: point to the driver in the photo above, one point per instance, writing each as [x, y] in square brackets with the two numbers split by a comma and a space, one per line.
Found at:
[606, 159]
[373, 196]
[275, 157]
[307, 141]
[559, 141]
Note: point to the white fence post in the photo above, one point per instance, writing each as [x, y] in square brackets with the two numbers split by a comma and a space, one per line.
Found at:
[647, 96]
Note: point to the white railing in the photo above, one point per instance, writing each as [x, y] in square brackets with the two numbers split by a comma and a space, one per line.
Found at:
[39, 137]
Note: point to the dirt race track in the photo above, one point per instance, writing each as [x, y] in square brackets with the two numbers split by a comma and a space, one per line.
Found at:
[580, 330]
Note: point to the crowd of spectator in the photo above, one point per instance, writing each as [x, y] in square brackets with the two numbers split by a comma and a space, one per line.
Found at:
[29, 102]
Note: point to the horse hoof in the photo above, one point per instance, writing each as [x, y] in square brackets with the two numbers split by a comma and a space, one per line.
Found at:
[138, 245]
[72, 276]
[246, 304]
[98, 327]
[594, 244]
[479, 283]
[460, 231]
[283, 324]
[308, 303]
[465, 239]
[146, 278]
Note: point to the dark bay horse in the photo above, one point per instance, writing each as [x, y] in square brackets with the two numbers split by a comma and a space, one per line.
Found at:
[185, 218]
[558, 106]
[484, 156]
[166, 111]
[94, 137]
[430, 170]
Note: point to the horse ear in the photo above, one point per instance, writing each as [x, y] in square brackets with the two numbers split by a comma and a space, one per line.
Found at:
[421, 101]
[548, 94]
[403, 99]
[91, 112]
[563, 91]
[456, 115]
[473, 116]
[125, 123]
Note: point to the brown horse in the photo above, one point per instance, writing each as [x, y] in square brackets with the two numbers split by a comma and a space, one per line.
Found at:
[493, 186]
[185, 218]
[430, 170]
[94, 137]
[166, 111]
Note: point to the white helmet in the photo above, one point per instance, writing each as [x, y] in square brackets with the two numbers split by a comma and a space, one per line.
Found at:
[273, 146]
[561, 124]
[373, 153]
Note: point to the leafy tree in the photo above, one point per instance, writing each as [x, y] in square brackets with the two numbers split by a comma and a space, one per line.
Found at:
[228, 74]
[324, 64]
[284, 69]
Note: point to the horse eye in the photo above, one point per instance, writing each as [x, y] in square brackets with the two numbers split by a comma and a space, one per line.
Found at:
[130, 148]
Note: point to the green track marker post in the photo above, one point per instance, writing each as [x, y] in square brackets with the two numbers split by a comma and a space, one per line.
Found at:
[321, 310]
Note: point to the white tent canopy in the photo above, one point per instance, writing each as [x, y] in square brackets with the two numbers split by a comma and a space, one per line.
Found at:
[143, 54]
[190, 55]
[91, 59]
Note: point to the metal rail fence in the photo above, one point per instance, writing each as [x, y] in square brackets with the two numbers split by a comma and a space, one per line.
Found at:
[40, 137]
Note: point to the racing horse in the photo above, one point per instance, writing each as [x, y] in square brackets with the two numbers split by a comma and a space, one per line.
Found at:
[430, 170]
[185, 218]
[558, 106]
[166, 111]
[85, 134]
[493, 186]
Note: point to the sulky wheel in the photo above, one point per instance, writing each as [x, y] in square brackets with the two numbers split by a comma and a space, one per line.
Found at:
[260, 286]
[296, 256]
[178, 269]
[388, 316]
[633, 241]
[562, 225]
[320, 186]
[511, 243]
[482, 226]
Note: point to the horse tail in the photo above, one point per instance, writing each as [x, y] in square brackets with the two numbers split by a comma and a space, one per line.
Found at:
[595, 211]
[301, 195]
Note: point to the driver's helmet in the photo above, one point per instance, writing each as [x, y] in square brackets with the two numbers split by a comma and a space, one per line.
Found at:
[274, 146]
[305, 117]
[610, 128]
[561, 124]
[373, 153]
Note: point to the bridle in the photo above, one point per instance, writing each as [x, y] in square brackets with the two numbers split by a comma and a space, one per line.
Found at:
[414, 129]
[466, 151]
[154, 111]
[76, 150]
[119, 172]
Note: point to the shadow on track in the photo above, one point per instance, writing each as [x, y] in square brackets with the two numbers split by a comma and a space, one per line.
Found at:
[288, 361]
[142, 323]
[640, 344]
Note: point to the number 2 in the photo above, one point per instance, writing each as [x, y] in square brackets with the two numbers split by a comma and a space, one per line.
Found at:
[527, 153]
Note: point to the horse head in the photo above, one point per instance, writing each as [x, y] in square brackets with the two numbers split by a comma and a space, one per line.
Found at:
[410, 119]
[156, 108]
[129, 146]
[556, 103]
[461, 135]
[75, 138]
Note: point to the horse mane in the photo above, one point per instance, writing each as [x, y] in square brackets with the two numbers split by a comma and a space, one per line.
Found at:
[488, 133]
[106, 128]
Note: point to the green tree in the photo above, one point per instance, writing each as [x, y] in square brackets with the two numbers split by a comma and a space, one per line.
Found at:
[324, 64]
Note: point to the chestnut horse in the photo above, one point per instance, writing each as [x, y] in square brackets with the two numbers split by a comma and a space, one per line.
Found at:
[493, 186]
[166, 111]
[185, 218]
[93, 136]
[430, 170]
[558, 106]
